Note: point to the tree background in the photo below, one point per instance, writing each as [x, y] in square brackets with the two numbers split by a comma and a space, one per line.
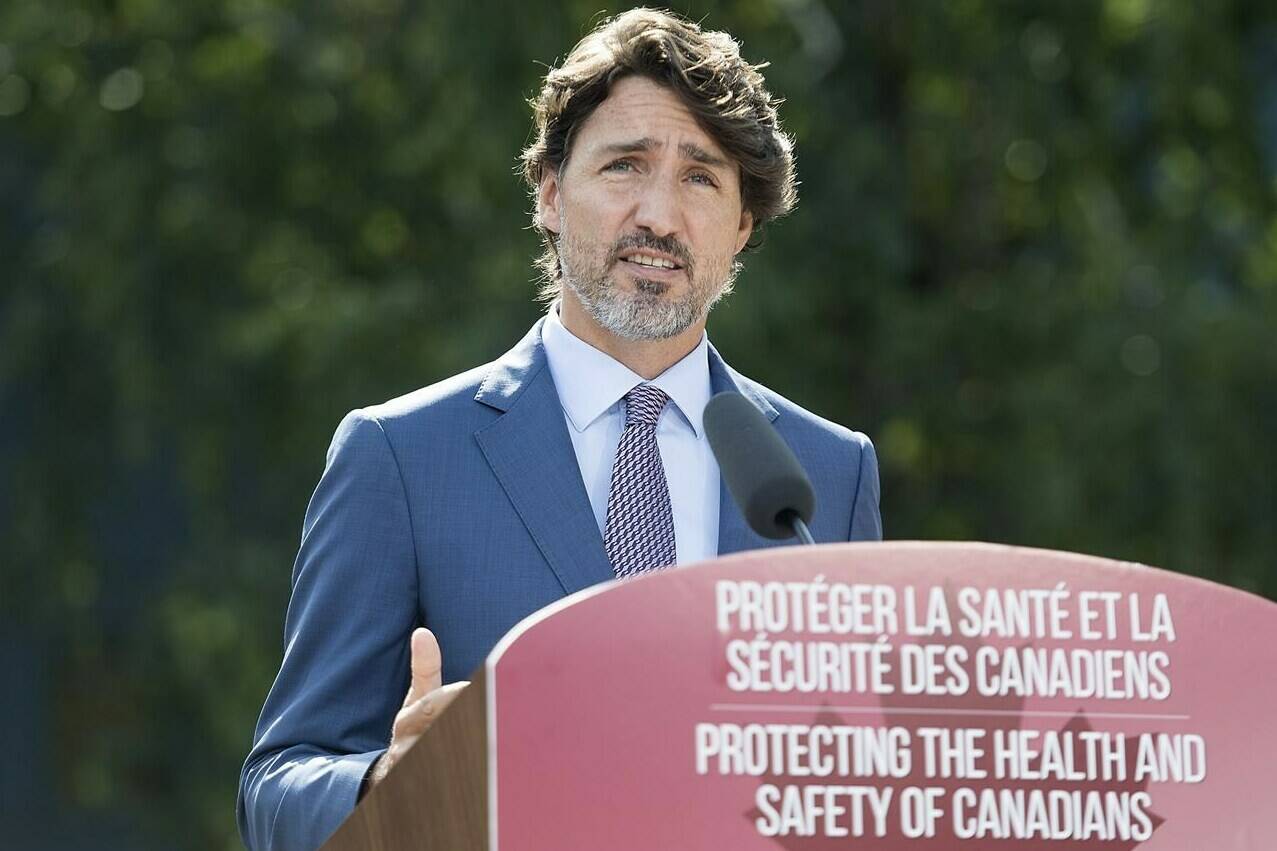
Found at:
[1035, 259]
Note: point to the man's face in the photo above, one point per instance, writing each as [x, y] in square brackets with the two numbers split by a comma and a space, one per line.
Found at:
[648, 212]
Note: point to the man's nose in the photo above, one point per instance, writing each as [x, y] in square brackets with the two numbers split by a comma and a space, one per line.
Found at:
[659, 209]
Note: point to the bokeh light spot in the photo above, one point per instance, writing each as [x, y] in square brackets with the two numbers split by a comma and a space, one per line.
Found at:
[1026, 160]
[1042, 46]
[121, 90]
[1141, 355]
[57, 84]
[385, 232]
[902, 443]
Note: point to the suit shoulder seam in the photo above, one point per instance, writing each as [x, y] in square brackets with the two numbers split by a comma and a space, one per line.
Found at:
[403, 487]
[860, 481]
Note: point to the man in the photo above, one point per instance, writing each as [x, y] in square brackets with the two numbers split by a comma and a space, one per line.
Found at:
[577, 457]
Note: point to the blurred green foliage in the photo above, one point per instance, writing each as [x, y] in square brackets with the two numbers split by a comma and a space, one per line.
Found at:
[1035, 259]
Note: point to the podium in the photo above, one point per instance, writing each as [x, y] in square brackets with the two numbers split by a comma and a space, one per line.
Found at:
[891, 695]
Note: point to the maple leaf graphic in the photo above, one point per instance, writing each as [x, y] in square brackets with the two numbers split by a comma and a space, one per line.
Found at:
[969, 710]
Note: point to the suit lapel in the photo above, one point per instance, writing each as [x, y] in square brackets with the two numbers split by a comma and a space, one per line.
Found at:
[531, 454]
[734, 534]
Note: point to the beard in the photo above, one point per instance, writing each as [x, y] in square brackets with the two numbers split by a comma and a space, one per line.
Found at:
[647, 313]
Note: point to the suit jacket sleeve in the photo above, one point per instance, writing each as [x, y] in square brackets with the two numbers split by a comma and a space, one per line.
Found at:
[866, 520]
[346, 659]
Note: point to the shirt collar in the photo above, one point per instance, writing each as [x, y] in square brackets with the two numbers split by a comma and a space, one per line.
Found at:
[590, 382]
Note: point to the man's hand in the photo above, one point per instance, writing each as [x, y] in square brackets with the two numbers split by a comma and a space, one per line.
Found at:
[426, 698]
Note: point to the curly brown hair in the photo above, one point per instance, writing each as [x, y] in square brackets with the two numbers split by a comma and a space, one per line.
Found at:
[725, 94]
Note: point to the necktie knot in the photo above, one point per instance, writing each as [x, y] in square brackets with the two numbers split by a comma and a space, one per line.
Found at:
[643, 405]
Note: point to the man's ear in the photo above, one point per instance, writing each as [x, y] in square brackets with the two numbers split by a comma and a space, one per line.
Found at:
[746, 228]
[548, 200]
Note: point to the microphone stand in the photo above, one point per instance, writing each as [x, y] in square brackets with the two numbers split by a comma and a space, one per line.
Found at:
[795, 521]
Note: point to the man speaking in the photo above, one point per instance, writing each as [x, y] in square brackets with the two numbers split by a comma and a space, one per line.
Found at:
[446, 516]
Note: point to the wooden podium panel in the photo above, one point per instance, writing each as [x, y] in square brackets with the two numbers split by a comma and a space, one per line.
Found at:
[890, 696]
[436, 798]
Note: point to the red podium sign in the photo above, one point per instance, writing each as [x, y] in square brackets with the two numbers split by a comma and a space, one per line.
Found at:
[889, 696]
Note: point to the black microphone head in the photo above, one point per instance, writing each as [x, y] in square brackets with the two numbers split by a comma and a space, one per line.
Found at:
[759, 468]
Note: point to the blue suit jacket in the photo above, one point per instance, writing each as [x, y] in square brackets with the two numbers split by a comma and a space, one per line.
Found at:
[459, 507]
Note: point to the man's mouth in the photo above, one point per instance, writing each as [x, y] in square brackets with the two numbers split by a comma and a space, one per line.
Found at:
[651, 261]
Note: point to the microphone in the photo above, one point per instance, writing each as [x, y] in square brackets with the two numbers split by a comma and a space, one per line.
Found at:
[760, 469]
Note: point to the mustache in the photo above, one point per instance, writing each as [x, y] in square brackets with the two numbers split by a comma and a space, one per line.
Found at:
[664, 244]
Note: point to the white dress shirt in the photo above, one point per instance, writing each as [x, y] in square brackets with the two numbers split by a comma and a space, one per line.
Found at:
[592, 387]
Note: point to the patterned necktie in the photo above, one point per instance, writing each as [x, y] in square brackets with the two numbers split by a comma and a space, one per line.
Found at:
[640, 525]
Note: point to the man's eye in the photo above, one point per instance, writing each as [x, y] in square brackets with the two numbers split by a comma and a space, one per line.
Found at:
[703, 178]
[619, 165]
